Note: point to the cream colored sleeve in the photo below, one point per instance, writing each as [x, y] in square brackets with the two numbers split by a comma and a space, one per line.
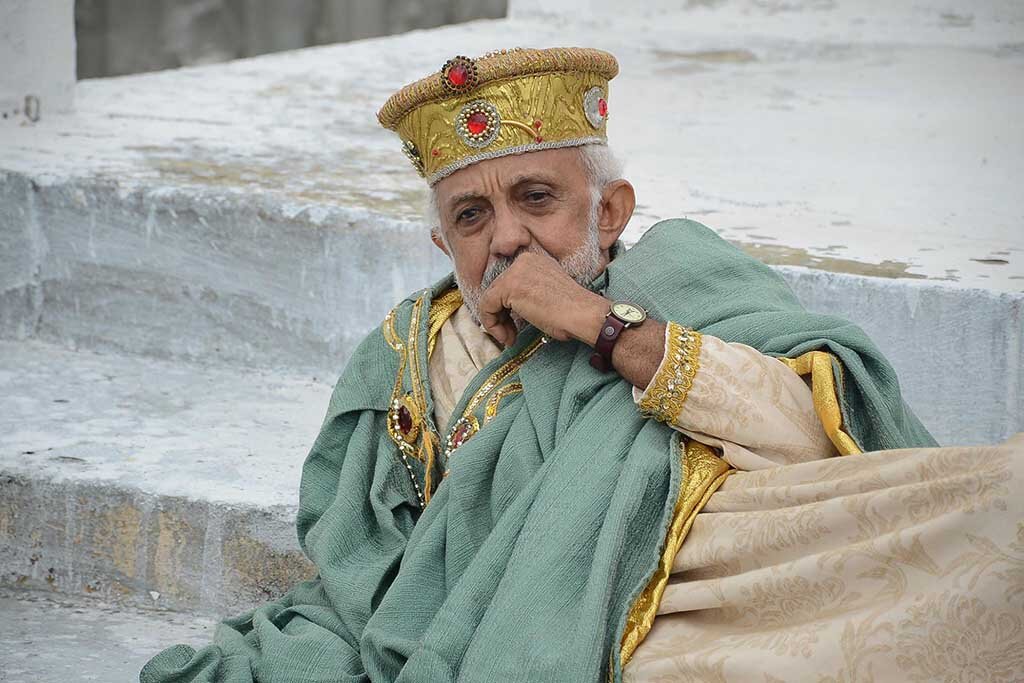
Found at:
[752, 406]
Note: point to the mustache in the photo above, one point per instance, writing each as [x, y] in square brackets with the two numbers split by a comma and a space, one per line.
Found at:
[499, 266]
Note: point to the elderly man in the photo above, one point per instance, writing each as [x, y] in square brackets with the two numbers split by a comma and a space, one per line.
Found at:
[511, 462]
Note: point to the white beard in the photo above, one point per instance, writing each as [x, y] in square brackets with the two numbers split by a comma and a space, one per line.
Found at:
[583, 265]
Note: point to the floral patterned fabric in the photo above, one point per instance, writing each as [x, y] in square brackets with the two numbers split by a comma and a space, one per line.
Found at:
[900, 565]
[889, 566]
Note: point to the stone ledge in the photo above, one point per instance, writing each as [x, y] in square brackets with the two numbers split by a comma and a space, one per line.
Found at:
[164, 552]
[199, 275]
[958, 352]
[152, 482]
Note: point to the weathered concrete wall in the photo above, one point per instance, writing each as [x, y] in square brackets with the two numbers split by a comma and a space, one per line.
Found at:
[176, 553]
[117, 38]
[179, 275]
[959, 352]
[37, 58]
[22, 246]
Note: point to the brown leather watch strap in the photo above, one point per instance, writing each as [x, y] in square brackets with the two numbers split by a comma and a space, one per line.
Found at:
[601, 359]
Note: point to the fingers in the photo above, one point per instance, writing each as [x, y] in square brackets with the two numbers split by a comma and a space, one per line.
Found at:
[495, 316]
[500, 327]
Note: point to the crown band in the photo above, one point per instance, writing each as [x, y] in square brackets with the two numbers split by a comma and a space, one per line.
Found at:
[504, 103]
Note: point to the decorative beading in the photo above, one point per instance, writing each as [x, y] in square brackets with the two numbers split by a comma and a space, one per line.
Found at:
[667, 393]
[467, 425]
[458, 75]
[478, 123]
[406, 414]
[495, 66]
[595, 106]
[519, 149]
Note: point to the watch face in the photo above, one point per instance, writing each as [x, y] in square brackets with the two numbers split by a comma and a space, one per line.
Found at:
[628, 313]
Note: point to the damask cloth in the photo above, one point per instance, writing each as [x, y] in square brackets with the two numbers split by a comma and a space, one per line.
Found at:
[892, 566]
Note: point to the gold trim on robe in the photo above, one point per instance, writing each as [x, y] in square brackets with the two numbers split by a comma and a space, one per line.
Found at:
[703, 472]
[441, 308]
[671, 384]
[818, 364]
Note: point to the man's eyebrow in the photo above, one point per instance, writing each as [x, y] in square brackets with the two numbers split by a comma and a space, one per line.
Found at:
[534, 177]
[463, 197]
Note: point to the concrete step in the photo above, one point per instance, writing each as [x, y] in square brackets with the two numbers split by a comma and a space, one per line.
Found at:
[151, 482]
[46, 637]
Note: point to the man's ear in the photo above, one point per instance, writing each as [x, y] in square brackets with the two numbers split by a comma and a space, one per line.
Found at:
[435, 237]
[617, 203]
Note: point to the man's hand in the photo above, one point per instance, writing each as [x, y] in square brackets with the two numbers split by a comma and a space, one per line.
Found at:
[538, 290]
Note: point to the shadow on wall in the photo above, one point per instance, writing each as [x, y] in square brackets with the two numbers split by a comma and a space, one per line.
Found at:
[116, 38]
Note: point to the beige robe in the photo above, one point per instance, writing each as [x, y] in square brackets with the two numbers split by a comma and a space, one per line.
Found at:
[889, 566]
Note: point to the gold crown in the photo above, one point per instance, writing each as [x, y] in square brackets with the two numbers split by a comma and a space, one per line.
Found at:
[506, 102]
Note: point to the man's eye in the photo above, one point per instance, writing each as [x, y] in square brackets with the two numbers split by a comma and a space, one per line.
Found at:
[468, 215]
[536, 197]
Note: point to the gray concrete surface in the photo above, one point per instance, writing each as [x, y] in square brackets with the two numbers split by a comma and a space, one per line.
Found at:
[37, 51]
[51, 638]
[116, 38]
[159, 483]
[191, 273]
[959, 352]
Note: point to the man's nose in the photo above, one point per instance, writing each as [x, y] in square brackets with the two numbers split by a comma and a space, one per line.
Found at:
[510, 234]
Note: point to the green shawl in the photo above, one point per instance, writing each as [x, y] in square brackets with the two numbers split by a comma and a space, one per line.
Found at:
[525, 563]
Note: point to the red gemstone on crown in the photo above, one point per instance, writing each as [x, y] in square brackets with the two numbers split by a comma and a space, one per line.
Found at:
[477, 123]
[537, 124]
[404, 420]
[602, 107]
[458, 75]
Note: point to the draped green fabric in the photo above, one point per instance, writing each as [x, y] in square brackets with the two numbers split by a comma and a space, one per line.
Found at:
[526, 561]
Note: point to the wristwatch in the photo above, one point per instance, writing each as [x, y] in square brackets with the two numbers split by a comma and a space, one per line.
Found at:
[623, 314]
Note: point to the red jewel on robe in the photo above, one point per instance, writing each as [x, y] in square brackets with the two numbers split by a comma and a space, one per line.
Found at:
[461, 434]
[602, 107]
[458, 75]
[477, 123]
[404, 420]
